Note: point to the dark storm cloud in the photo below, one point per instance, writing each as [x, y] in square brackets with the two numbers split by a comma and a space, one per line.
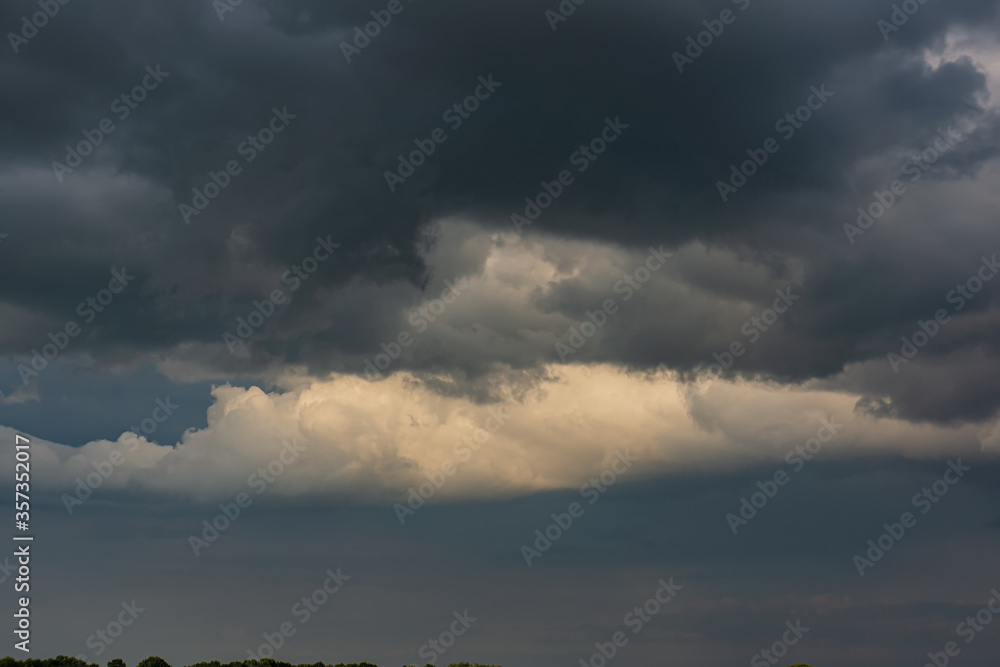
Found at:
[323, 175]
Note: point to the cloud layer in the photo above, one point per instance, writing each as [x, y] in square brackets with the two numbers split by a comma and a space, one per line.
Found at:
[361, 442]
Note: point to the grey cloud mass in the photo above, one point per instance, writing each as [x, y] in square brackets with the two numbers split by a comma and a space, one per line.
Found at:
[621, 237]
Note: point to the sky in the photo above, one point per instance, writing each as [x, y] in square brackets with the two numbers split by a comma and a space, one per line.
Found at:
[521, 333]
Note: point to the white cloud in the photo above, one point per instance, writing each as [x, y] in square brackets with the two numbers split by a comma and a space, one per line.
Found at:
[369, 442]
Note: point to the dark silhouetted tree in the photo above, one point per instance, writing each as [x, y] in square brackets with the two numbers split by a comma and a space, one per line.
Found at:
[153, 661]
